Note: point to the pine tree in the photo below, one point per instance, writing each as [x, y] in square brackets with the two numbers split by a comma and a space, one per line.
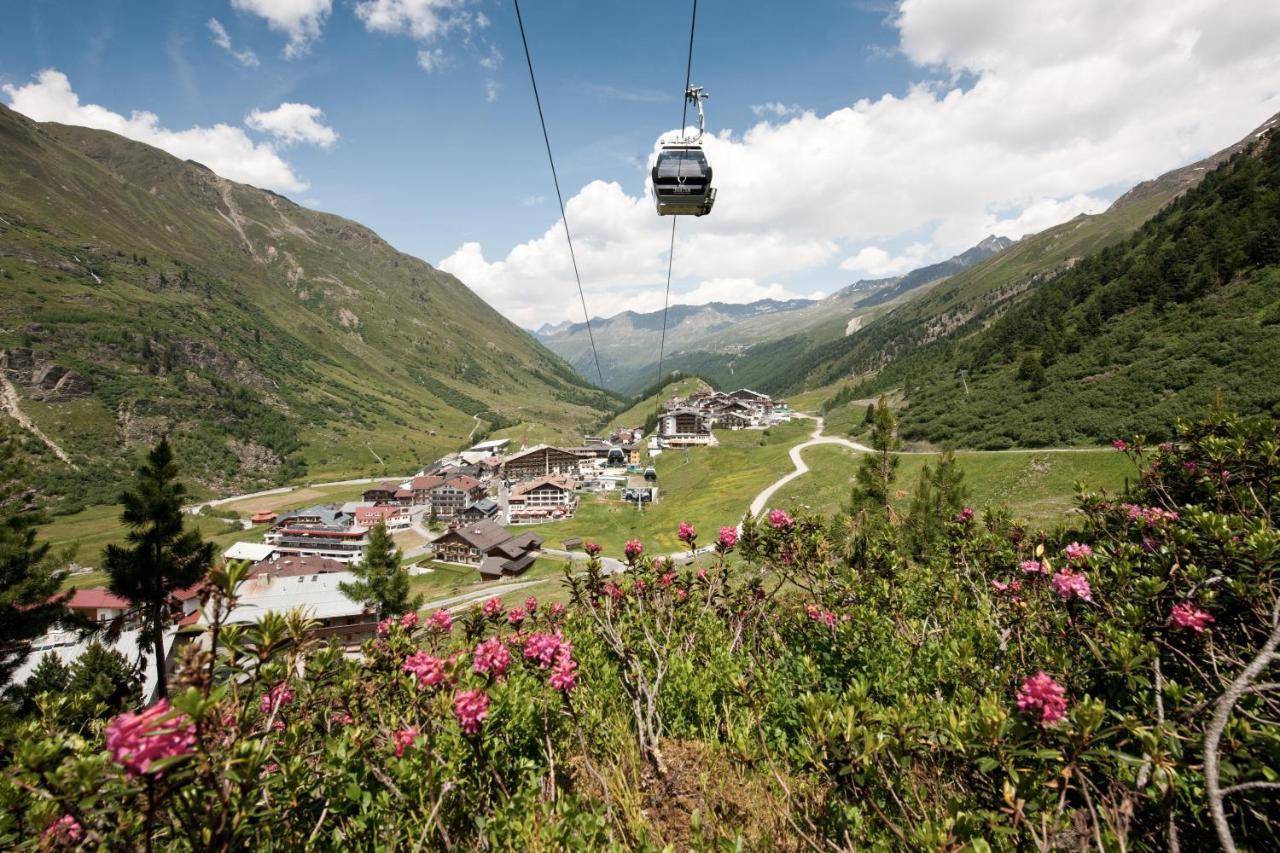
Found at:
[160, 556]
[940, 493]
[879, 470]
[101, 679]
[29, 601]
[380, 581]
[51, 675]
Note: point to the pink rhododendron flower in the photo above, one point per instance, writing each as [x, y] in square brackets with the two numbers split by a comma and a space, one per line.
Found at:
[667, 579]
[384, 627]
[1071, 585]
[1190, 466]
[344, 719]
[137, 740]
[426, 669]
[779, 520]
[1040, 696]
[493, 608]
[687, 534]
[701, 574]
[1032, 567]
[63, 832]
[999, 586]
[639, 586]
[1187, 615]
[681, 594]
[557, 610]
[405, 738]
[441, 621]
[542, 648]
[633, 549]
[728, 538]
[1076, 551]
[515, 615]
[614, 591]
[531, 604]
[1120, 444]
[471, 707]
[276, 698]
[965, 514]
[592, 548]
[564, 677]
[409, 621]
[492, 657]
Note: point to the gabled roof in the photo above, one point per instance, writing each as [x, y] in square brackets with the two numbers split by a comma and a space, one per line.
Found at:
[539, 448]
[253, 551]
[291, 566]
[559, 481]
[384, 487]
[97, 597]
[484, 505]
[461, 482]
[329, 517]
[425, 483]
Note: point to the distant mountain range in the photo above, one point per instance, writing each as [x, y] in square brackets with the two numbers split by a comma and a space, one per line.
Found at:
[628, 342]
[142, 295]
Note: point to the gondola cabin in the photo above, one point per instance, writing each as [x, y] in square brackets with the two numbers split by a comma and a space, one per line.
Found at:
[682, 181]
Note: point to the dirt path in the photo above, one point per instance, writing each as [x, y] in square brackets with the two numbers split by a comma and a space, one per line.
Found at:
[9, 402]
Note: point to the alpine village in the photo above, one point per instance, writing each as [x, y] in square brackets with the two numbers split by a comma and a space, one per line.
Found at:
[886, 457]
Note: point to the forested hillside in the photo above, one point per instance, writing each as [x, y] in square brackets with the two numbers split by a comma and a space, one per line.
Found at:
[1125, 341]
[145, 295]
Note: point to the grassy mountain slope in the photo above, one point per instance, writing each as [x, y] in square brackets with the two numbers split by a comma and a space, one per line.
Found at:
[1182, 313]
[713, 339]
[272, 341]
[969, 298]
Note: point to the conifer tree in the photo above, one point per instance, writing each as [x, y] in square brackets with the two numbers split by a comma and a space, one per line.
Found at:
[159, 556]
[940, 493]
[29, 601]
[879, 470]
[380, 581]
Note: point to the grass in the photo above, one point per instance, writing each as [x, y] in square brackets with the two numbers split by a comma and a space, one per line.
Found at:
[299, 497]
[449, 579]
[635, 416]
[710, 487]
[1038, 487]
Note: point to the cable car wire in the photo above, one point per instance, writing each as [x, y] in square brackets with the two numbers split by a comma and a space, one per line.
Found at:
[671, 251]
[556, 180]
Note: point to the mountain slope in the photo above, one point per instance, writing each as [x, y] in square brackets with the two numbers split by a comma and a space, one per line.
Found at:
[708, 339]
[269, 339]
[972, 297]
[1182, 314]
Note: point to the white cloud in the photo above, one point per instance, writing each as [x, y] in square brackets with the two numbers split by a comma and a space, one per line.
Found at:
[776, 109]
[1060, 102]
[245, 57]
[874, 262]
[300, 20]
[492, 60]
[292, 123]
[737, 290]
[421, 19]
[491, 88]
[226, 149]
[532, 200]
[432, 59]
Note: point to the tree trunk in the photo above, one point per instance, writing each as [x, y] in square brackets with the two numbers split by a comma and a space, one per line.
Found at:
[157, 644]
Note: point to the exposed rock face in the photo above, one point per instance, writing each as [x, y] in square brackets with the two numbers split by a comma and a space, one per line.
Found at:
[254, 457]
[43, 380]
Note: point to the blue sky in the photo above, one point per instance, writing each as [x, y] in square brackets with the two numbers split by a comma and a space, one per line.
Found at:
[854, 139]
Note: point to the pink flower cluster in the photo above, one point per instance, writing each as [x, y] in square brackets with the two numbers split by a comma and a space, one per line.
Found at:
[687, 534]
[1151, 515]
[63, 832]
[1120, 444]
[516, 616]
[425, 669]
[823, 617]
[779, 520]
[531, 604]
[409, 621]
[441, 621]
[965, 515]
[557, 610]
[554, 652]
[728, 538]
[471, 707]
[1076, 551]
[1014, 586]
[1032, 567]
[384, 627]
[137, 740]
[592, 549]
[492, 658]
[1041, 696]
[493, 608]
[405, 738]
[276, 698]
[1070, 584]
[1187, 615]
[633, 549]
